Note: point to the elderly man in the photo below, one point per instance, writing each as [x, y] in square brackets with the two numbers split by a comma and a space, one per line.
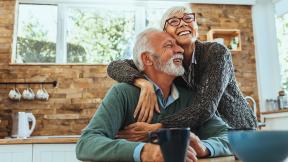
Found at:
[160, 58]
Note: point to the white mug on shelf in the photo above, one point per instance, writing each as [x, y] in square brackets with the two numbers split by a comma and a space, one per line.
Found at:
[42, 94]
[28, 94]
[14, 94]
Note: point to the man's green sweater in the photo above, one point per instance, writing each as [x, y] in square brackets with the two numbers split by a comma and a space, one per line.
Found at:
[98, 143]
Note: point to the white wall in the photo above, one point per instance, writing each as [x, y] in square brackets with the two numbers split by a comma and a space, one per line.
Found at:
[267, 64]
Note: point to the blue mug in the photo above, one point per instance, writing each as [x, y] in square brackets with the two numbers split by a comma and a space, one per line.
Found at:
[173, 142]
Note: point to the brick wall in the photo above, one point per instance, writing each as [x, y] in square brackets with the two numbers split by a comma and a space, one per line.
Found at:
[81, 88]
[233, 17]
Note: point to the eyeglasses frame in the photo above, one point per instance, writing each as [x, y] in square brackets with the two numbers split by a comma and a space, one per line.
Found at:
[193, 13]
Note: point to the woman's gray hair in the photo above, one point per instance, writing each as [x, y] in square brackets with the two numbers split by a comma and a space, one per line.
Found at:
[142, 44]
[175, 10]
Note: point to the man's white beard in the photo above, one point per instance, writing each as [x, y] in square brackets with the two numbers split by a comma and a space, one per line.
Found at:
[169, 68]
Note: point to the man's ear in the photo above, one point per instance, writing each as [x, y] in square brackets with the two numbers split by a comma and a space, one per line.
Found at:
[146, 58]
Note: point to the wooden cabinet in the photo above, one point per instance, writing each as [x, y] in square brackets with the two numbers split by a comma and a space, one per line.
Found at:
[229, 37]
[16, 153]
[38, 153]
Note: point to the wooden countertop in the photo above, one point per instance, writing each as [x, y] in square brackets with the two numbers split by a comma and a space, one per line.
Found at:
[276, 111]
[11, 141]
[220, 159]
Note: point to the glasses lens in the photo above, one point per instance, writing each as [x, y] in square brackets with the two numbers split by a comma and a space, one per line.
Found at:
[188, 18]
[174, 21]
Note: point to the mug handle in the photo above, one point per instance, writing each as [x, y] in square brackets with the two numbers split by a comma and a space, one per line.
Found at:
[31, 117]
[46, 93]
[16, 89]
[153, 138]
[18, 93]
[44, 90]
[31, 91]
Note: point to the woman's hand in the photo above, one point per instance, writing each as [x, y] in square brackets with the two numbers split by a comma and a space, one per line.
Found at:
[138, 131]
[147, 101]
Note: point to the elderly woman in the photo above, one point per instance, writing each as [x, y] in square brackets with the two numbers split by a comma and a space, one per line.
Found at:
[208, 71]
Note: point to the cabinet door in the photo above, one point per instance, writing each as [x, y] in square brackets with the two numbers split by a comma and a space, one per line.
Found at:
[276, 123]
[16, 153]
[54, 153]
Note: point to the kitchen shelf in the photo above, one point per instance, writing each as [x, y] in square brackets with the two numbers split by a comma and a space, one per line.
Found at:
[231, 38]
[276, 111]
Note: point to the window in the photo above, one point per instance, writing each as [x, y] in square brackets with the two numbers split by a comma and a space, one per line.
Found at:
[282, 42]
[95, 36]
[36, 35]
[81, 33]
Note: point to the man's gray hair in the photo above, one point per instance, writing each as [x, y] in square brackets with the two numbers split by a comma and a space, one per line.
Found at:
[175, 10]
[142, 44]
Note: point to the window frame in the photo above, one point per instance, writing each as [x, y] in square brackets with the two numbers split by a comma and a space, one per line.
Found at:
[63, 5]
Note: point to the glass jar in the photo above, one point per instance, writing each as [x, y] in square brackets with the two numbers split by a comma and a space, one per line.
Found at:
[282, 100]
[271, 105]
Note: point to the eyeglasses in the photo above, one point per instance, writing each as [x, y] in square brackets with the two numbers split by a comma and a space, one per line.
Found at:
[175, 21]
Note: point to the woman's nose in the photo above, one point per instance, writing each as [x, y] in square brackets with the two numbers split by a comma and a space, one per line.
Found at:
[182, 23]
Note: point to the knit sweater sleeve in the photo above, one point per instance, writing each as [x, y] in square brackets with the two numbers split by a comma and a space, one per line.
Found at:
[215, 78]
[124, 71]
[97, 142]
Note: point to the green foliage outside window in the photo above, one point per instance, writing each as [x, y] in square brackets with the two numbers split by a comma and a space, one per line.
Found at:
[35, 51]
[33, 47]
[104, 38]
[282, 38]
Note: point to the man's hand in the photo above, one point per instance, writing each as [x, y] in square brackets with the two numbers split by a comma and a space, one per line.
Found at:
[191, 155]
[151, 153]
[196, 144]
[138, 131]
